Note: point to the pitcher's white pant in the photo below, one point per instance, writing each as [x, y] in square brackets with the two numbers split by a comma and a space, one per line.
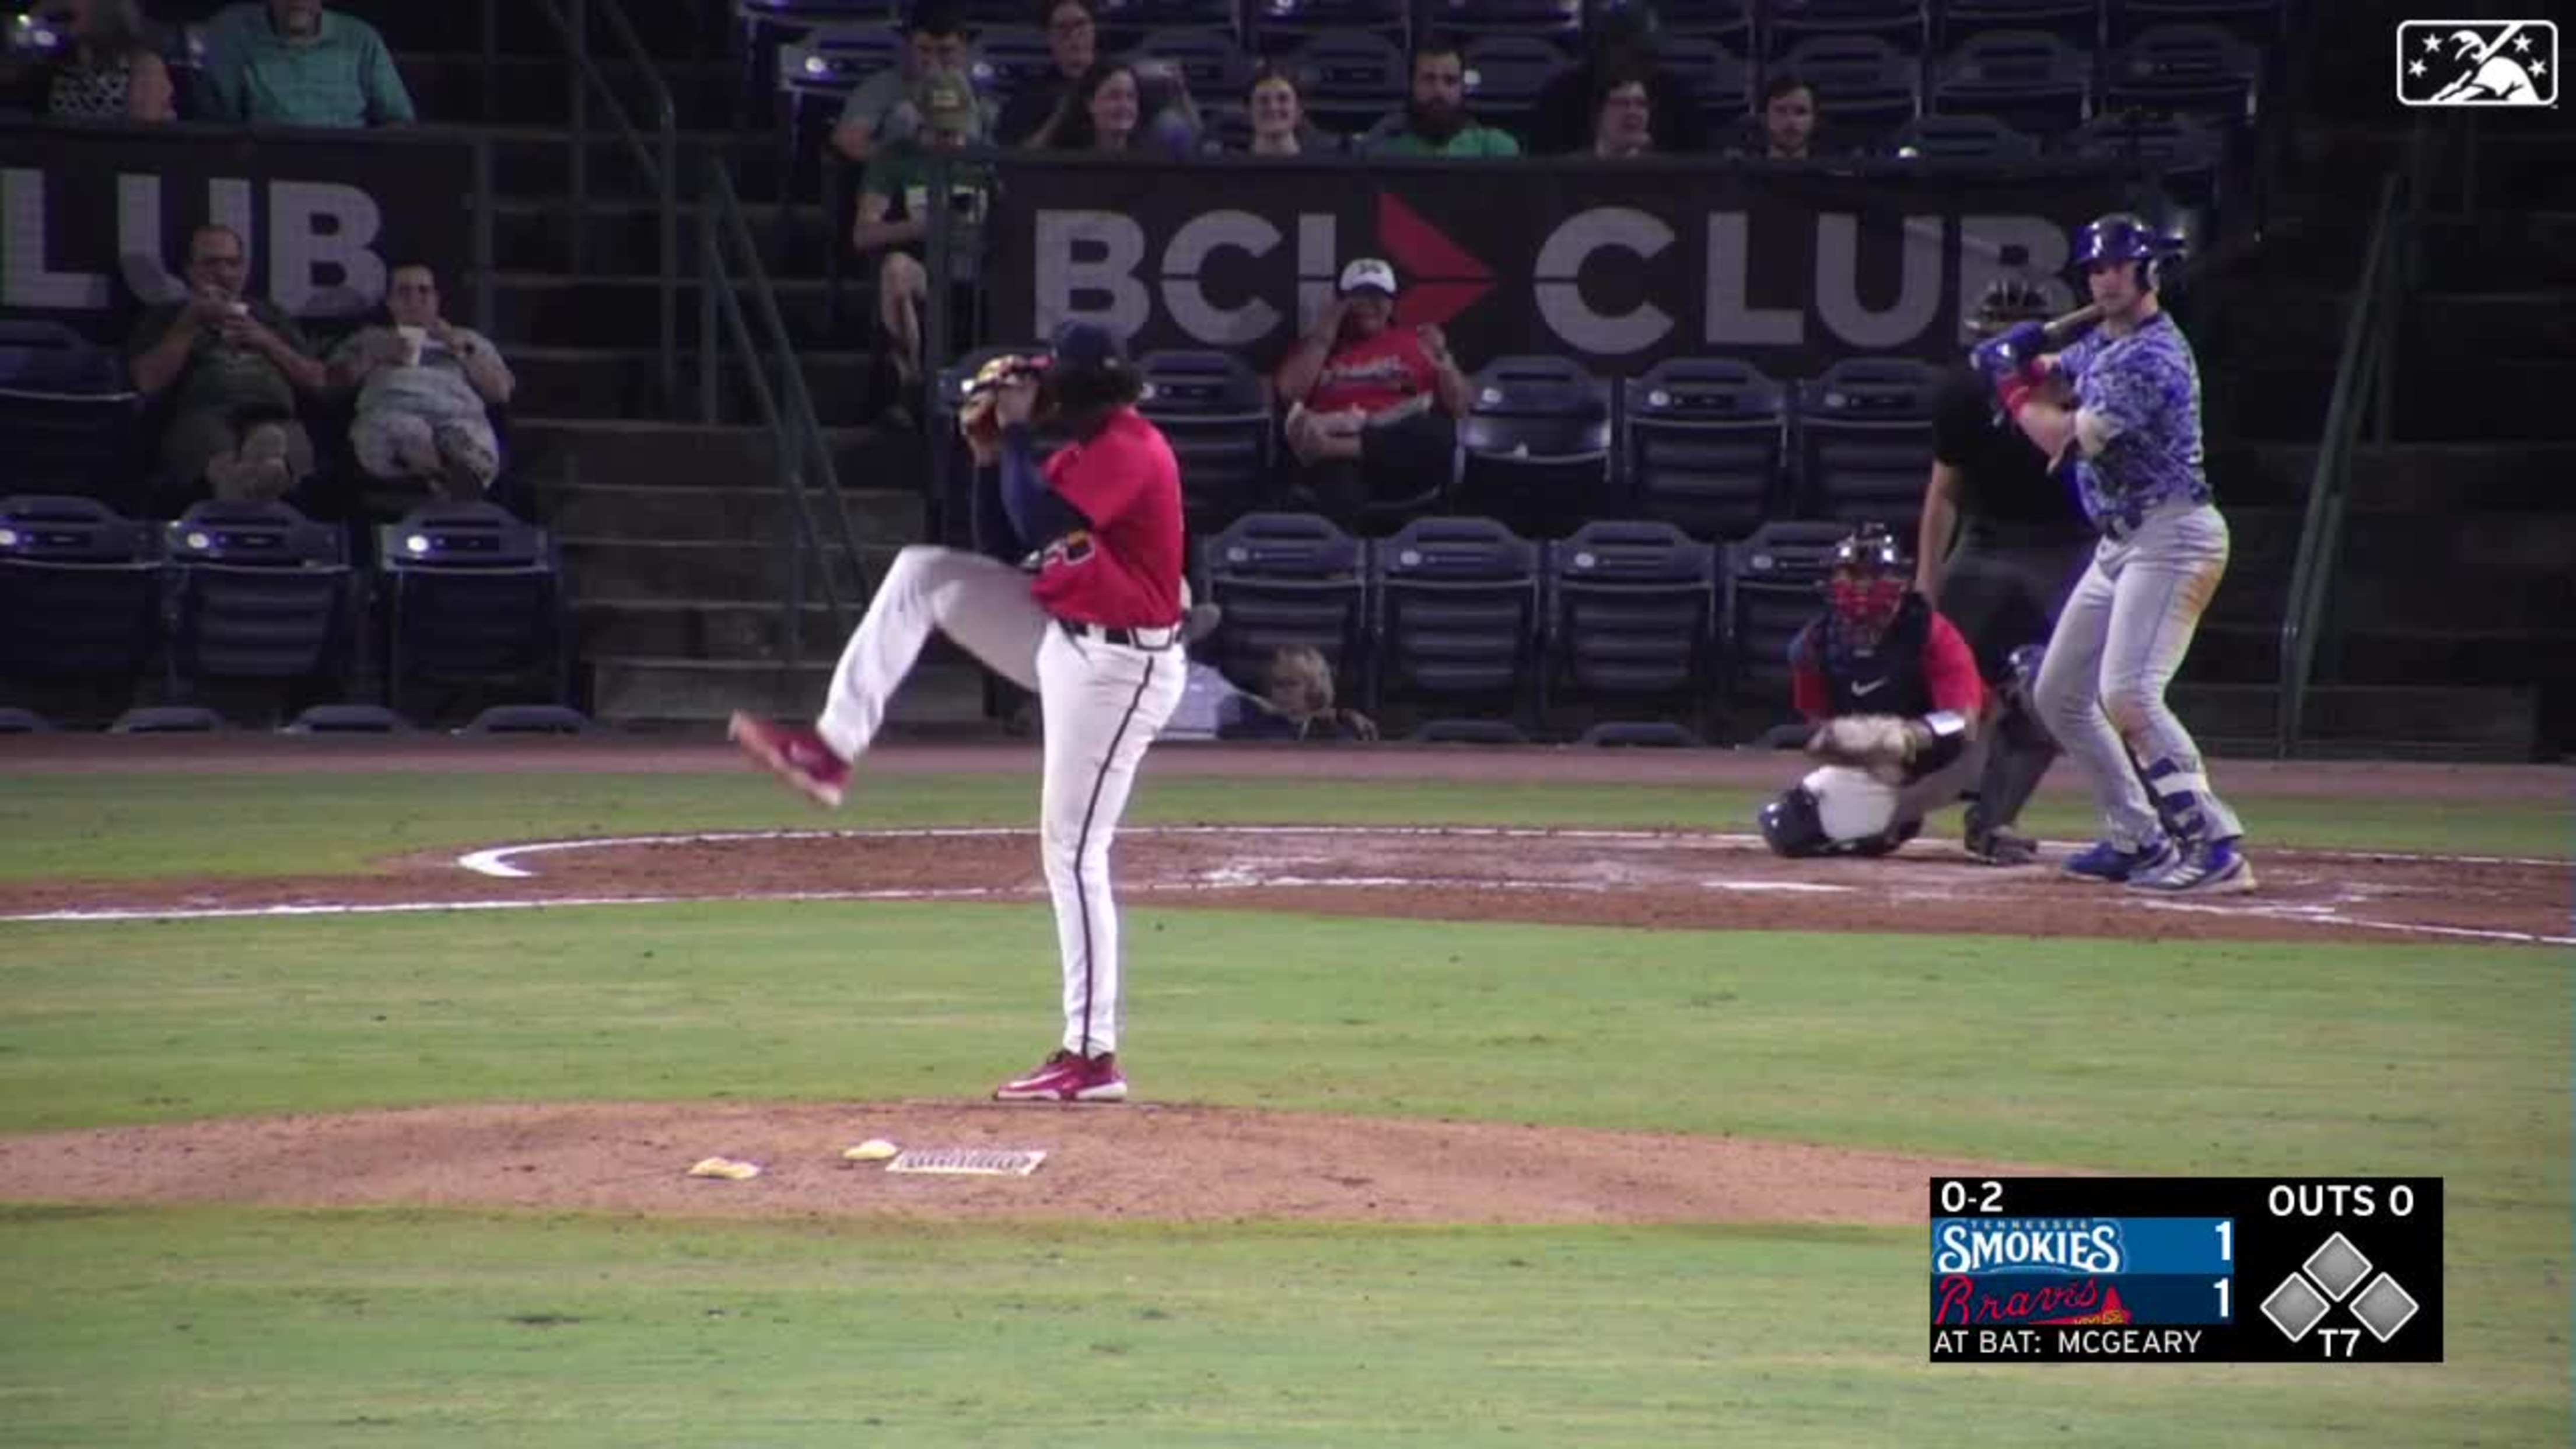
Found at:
[1103, 705]
[2101, 688]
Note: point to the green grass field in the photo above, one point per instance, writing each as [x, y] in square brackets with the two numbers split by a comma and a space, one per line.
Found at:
[232, 1326]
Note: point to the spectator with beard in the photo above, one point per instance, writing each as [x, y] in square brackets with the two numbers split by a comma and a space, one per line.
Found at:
[1788, 121]
[1624, 42]
[1435, 121]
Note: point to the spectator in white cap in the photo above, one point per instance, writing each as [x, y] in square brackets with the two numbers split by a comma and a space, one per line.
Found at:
[1373, 406]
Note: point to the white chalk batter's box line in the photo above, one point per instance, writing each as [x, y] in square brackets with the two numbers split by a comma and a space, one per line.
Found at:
[495, 862]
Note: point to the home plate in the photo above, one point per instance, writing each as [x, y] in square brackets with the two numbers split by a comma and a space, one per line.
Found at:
[968, 1161]
[1809, 886]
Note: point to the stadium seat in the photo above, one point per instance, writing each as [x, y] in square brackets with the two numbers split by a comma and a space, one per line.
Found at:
[1350, 81]
[1468, 732]
[2256, 22]
[768, 24]
[347, 719]
[1216, 412]
[1661, 734]
[1457, 615]
[2077, 22]
[1212, 64]
[1864, 437]
[1506, 75]
[1773, 585]
[169, 719]
[2028, 79]
[1729, 22]
[529, 719]
[1864, 85]
[67, 417]
[1789, 24]
[80, 592]
[1280, 26]
[1961, 138]
[1703, 439]
[258, 592]
[1720, 80]
[472, 595]
[1558, 22]
[1283, 579]
[2185, 70]
[1139, 17]
[15, 721]
[1631, 610]
[1535, 445]
[1008, 57]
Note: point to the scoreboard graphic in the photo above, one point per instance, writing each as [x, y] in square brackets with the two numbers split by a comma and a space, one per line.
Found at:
[2191, 1269]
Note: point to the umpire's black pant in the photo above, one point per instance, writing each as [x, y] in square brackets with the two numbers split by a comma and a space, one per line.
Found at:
[2003, 587]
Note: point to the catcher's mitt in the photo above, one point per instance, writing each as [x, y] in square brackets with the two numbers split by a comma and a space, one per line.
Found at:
[1882, 744]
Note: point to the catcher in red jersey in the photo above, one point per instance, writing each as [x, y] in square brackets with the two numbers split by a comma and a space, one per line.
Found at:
[1898, 706]
[1093, 623]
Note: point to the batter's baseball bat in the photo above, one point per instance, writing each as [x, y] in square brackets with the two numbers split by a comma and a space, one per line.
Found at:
[2056, 329]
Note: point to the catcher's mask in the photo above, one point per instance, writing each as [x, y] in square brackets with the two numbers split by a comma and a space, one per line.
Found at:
[1868, 584]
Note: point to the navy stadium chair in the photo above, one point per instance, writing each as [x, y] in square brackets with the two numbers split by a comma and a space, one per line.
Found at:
[1288, 579]
[67, 417]
[1730, 22]
[1284, 25]
[1863, 84]
[1864, 436]
[258, 592]
[1213, 66]
[169, 719]
[1961, 138]
[1703, 440]
[2185, 70]
[1631, 611]
[768, 24]
[347, 719]
[1773, 585]
[1720, 80]
[80, 591]
[15, 721]
[2256, 22]
[1558, 22]
[1457, 616]
[1136, 17]
[1216, 412]
[2028, 79]
[529, 719]
[472, 596]
[1506, 75]
[1008, 57]
[1534, 448]
[1468, 732]
[2077, 22]
[1350, 82]
[1788, 24]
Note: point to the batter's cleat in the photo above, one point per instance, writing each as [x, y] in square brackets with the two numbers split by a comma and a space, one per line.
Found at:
[794, 754]
[1068, 1077]
[2002, 848]
[2211, 868]
[2107, 861]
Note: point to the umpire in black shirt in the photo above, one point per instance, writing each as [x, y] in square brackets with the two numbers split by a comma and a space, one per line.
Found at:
[2022, 544]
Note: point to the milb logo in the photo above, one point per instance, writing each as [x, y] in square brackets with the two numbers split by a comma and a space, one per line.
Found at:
[2477, 63]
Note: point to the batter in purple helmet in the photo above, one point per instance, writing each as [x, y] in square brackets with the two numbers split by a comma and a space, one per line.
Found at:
[2123, 404]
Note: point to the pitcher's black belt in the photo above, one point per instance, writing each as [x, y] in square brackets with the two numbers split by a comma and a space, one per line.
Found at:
[1163, 638]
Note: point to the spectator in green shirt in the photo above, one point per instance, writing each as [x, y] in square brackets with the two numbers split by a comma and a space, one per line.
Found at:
[292, 63]
[1435, 121]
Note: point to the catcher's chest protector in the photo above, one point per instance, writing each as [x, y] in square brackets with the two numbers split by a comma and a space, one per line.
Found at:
[1887, 677]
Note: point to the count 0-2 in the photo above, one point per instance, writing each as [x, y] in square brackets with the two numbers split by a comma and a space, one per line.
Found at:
[1988, 1196]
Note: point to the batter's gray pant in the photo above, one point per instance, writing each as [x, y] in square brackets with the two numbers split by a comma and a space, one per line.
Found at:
[2102, 687]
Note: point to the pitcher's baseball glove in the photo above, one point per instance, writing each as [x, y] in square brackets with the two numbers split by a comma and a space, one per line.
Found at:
[1884, 745]
[975, 417]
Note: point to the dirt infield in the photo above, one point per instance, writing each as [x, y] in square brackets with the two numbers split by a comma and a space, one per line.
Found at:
[1171, 1161]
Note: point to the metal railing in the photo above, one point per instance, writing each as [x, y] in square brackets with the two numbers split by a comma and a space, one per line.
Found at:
[800, 455]
[658, 160]
[2364, 394]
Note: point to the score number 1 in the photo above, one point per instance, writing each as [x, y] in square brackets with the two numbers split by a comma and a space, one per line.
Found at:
[2226, 1230]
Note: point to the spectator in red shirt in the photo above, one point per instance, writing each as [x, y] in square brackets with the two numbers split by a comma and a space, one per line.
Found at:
[1373, 407]
[1879, 650]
